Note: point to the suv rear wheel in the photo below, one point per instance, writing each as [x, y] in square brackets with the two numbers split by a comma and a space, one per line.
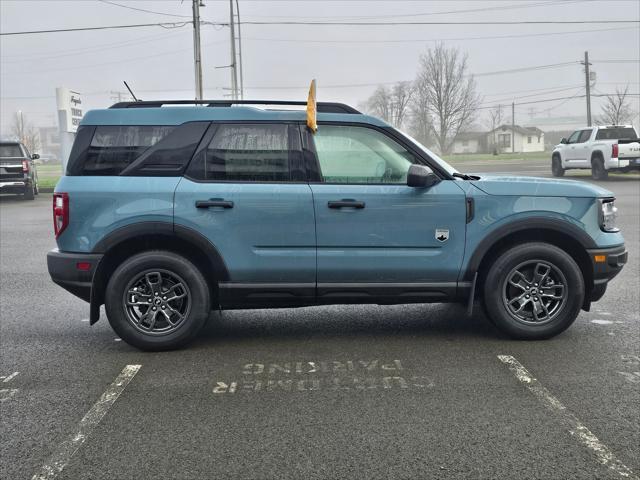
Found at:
[533, 291]
[157, 301]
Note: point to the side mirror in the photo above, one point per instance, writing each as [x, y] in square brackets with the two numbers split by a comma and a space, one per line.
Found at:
[420, 176]
[35, 156]
[564, 140]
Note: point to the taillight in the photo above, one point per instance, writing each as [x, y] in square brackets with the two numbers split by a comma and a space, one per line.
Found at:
[60, 212]
[25, 166]
[614, 150]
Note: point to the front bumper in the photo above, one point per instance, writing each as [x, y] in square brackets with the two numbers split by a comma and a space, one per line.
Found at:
[73, 271]
[606, 263]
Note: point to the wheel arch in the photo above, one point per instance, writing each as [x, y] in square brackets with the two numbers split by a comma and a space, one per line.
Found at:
[597, 154]
[132, 239]
[563, 235]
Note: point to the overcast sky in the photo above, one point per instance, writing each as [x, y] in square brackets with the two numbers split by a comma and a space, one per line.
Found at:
[280, 60]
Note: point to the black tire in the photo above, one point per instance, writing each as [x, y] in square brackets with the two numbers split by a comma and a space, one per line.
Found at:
[556, 167]
[598, 171]
[171, 269]
[499, 293]
[29, 193]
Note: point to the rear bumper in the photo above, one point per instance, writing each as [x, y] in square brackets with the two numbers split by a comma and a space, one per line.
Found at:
[64, 271]
[603, 271]
[13, 186]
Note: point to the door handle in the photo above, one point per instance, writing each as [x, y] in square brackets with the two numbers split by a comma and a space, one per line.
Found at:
[346, 203]
[214, 202]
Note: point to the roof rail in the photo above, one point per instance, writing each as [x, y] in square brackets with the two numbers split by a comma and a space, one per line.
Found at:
[323, 107]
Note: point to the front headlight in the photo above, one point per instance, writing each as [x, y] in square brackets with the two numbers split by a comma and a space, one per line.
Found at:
[608, 215]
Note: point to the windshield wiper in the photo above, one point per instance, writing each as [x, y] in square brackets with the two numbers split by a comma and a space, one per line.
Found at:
[464, 176]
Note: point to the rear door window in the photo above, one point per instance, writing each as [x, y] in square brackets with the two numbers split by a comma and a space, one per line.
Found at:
[245, 153]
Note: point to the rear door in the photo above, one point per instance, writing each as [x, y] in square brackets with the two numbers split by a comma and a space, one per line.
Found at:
[376, 236]
[246, 191]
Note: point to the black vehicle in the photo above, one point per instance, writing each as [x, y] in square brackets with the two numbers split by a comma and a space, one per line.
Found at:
[18, 170]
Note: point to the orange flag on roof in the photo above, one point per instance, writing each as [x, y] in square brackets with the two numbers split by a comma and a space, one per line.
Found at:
[311, 107]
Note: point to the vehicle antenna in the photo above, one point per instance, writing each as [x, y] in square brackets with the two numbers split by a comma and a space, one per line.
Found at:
[130, 91]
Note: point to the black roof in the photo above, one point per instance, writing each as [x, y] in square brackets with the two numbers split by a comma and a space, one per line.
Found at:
[322, 107]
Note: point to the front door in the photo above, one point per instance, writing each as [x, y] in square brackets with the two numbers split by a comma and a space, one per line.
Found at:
[246, 191]
[376, 236]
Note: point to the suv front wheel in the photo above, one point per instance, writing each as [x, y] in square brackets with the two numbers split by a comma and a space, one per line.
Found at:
[533, 291]
[157, 300]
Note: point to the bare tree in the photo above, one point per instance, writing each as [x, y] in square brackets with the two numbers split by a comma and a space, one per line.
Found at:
[616, 110]
[494, 121]
[25, 132]
[402, 94]
[391, 104]
[444, 86]
[421, 121]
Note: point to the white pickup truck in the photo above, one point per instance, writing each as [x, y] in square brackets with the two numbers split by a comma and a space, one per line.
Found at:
[601, 149]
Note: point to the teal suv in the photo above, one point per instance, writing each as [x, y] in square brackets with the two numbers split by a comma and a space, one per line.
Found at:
[169, 210]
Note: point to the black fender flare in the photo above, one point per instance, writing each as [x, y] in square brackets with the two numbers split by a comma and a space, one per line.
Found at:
[166, 230]
[538, 223]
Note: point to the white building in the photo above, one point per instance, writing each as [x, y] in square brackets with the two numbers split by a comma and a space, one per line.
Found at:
[469, 142]
[526, 139]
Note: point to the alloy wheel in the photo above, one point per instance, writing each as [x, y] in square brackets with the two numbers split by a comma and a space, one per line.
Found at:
[157, 302]
[534, 292]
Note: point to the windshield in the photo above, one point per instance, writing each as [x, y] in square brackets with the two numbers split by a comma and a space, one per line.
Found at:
[10, 151]
[441, 163]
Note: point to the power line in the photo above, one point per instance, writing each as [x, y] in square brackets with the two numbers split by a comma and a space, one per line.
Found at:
[470, 10]
[616, 61]
[440, 39]
[393, 24]
[143, 10]
[85, 50]
[349, 24]
[106, 27]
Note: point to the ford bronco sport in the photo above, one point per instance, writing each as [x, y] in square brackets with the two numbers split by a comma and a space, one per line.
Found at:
[169, 210]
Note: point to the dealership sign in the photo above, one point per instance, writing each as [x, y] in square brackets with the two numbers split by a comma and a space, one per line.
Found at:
[70, 104]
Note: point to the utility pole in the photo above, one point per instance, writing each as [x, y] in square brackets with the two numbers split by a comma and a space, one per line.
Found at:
[234, 74]
[240, 51]
[196, 48]
[587, 77]
[513, 127]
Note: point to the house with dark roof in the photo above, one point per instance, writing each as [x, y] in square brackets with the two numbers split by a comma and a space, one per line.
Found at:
[507, 138]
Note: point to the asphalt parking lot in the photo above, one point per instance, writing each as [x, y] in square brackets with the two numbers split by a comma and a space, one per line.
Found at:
[417, 391]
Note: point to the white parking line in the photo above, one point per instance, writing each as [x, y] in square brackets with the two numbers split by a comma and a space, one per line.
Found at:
[68, 448]
[576, 428]
[10, 377]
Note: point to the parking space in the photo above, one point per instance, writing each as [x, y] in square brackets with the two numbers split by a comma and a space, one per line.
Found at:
[416, 391]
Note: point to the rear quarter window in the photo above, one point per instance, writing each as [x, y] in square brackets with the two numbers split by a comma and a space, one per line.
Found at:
[113, 148]
[134, 150]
